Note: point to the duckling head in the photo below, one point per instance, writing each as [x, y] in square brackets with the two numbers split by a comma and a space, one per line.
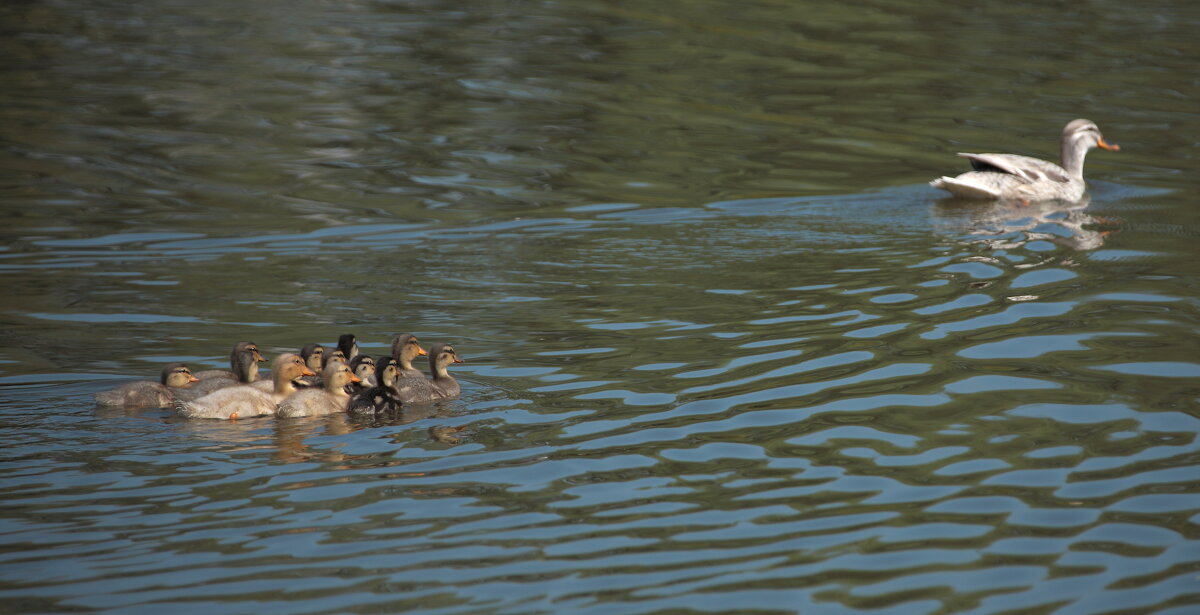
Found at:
[312, 355]
[177, 375]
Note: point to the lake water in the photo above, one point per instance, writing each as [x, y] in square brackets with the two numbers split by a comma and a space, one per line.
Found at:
[726, 350]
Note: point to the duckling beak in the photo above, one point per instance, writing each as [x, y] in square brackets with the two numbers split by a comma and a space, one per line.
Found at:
[1113, 147]
[457, 359]
[421, 352]
[308, 372]
[192, 378]
[259, 357]
[354, 378]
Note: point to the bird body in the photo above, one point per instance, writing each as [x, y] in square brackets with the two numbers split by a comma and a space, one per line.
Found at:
[1010, 176]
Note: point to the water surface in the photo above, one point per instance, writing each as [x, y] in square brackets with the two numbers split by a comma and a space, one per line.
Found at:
[726, 350]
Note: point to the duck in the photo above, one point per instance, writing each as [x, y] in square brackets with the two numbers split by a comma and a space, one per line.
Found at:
[405, 348]
[1023, 178]
[237, 370]
[312, 355]
[332, 399]
[245, 369]
[248, 400]
[441, 386]
[175, 377]
[382, 397]
[364, 367]
[348, 344]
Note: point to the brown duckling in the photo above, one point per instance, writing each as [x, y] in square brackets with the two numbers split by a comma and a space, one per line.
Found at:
[441, 386]
[175, 377]
[246, 368]
[312, 355]
[405, 348]
[382, 397]
[234, 364]
[248, 400]
[319, 402]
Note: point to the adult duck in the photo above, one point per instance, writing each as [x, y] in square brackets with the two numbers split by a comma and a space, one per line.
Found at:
[1009, 176]
[174, 378]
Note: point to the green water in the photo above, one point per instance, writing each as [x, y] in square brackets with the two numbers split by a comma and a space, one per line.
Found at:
[726, 350]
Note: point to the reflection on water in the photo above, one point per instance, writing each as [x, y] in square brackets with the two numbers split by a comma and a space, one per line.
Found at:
[729, 351]
[1010, 224]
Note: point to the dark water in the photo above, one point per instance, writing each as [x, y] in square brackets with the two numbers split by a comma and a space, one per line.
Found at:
[726, 350]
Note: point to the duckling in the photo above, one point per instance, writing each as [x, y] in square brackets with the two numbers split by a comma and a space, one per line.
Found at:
[348, 344]
[319, 402]
[312, 355]
[336, 355]
[246, 369]
[405, 348]
[235, 365]
[382, 397]
[174, 377]
[364, 367]
[442, 386]
[248, 400]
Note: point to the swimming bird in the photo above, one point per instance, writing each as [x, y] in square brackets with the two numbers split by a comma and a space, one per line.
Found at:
[319, 402]
[441, 386]
[175, 377]
[405, 348]
[312, 355]
[1009, 176]
[245, 368]
[234, 364]
[248, 400]
[364, 367]
[348, 344]
[382, 397]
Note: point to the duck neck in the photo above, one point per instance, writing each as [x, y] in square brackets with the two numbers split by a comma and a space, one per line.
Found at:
[1073, 153]
[246, 369]
[284, 386]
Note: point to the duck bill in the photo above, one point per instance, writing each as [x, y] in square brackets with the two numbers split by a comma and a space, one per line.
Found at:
[458, 360]
[421, 352]
[1112, 147]
[259, 357]
[355, 379]
[308, 372]
[193, 379]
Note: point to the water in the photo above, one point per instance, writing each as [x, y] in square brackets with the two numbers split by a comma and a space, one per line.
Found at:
[726, 351]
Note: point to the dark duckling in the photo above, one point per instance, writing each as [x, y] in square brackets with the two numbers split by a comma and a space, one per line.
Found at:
[348, 344]
[382, 397]
[364, 367]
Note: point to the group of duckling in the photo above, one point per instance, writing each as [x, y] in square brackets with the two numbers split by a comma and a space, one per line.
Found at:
[311, 382]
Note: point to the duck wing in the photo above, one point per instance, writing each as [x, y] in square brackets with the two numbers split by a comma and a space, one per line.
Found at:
[1027, 168]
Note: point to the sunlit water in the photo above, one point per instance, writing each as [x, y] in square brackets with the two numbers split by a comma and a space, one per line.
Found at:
[726, 350]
